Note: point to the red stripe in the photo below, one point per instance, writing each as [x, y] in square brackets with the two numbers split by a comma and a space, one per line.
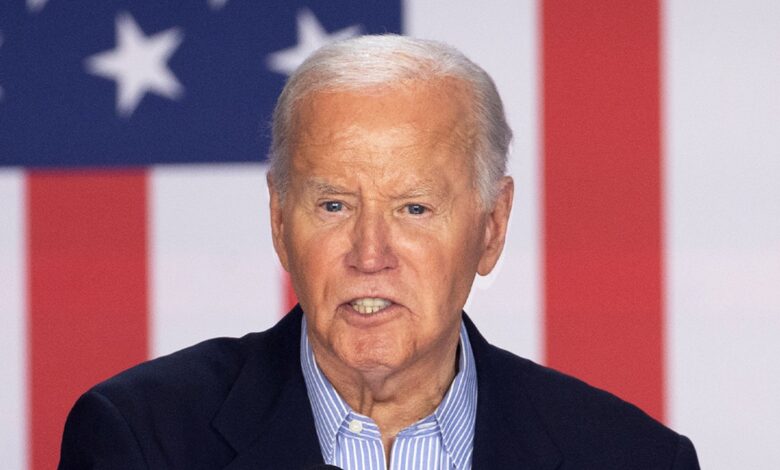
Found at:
[87, 291]
[602, 195]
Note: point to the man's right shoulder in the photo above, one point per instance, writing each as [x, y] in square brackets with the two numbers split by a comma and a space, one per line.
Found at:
[161, 413]
[207, 368]
[212, 365]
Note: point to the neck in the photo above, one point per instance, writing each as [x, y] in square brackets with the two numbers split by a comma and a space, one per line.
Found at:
[394, 399]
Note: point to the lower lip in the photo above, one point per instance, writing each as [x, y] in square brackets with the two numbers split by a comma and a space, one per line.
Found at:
[366, 320]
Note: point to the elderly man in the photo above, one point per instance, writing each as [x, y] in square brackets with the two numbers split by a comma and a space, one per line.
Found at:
[388, 195]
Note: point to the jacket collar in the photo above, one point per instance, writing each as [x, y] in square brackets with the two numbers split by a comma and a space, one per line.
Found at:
[509, 432]
[267, 417]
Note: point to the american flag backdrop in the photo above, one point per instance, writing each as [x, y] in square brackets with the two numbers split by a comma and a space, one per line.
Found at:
[644, 246]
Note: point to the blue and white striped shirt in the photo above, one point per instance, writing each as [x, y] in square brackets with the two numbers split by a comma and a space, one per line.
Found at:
[442, 440]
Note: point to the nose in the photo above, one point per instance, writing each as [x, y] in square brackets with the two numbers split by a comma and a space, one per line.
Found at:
[372, 249]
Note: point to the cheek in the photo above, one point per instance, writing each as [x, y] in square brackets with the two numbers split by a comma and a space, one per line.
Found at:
[443, 260]
[315, 255]
[450, 241]
[306, 242]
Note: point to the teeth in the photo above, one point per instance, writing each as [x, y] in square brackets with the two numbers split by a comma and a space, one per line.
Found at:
[370, 305]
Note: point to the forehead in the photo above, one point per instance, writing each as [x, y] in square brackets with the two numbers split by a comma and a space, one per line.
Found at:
[419, 117]
[398, 140]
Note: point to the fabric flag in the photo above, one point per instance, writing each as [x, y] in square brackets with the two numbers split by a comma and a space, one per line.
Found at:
[644, 246]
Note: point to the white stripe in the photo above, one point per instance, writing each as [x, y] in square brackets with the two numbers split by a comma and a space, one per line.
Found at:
[13, 403]
[213, 269]
[723, 180]
[501, 36]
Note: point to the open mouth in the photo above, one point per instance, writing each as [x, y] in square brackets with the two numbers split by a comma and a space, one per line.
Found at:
[369, 305]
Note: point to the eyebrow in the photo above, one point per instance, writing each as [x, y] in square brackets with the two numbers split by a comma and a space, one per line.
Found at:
[322, 187]
[423, 188]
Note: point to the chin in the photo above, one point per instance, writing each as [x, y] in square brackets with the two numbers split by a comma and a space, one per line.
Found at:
[367, 356]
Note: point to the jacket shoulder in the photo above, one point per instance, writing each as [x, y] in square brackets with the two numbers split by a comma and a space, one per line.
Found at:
[164, 411]
[560, 395]
[591, 426]
[152, 414]
[205, 369]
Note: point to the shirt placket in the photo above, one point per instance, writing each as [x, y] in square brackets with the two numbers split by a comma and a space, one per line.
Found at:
[361, 444]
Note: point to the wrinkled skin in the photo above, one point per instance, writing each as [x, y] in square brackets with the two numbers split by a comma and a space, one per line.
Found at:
[381, 203]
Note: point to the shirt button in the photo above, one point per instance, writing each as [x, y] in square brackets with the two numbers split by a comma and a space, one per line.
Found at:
[356, 426]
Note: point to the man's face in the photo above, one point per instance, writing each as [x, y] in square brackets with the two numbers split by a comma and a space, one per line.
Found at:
[381, 229]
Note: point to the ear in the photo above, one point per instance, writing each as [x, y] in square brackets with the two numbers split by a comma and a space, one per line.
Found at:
[496, 225]
[277, 222]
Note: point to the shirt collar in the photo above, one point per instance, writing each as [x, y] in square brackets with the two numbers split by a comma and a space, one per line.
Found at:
[454, 417]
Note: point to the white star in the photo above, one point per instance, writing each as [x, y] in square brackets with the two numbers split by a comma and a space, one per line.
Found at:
[138, 64]
[217, 4]
[311, 36]
[36, 5]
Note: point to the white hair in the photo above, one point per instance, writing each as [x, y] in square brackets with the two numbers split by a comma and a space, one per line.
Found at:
[385, 61]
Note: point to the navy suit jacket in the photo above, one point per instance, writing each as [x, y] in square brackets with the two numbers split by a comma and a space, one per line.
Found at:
[242, 404]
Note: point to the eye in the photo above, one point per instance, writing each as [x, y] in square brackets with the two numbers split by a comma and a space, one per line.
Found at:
[416, 209]
[332, 206]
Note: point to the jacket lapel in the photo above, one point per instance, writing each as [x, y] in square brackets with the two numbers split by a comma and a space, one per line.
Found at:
[267, 417]
[508, 432]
